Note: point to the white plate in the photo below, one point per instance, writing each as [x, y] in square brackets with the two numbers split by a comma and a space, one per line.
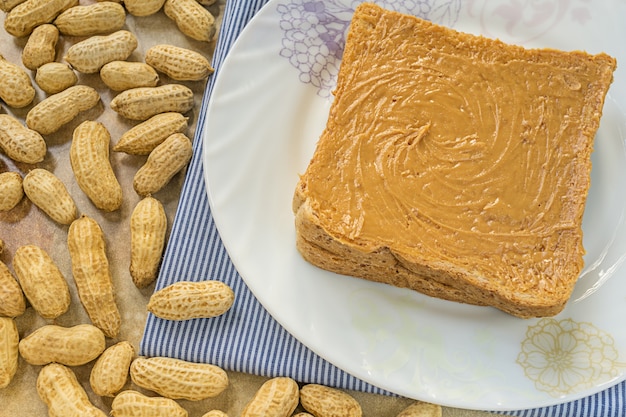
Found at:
[268, 108]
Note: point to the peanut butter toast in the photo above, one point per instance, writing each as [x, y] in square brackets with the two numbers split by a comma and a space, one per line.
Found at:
[454, 165]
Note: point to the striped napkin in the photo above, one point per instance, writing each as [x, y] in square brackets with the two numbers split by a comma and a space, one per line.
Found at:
[247, 339]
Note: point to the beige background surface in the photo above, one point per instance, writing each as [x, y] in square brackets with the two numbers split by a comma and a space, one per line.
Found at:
[26, 224]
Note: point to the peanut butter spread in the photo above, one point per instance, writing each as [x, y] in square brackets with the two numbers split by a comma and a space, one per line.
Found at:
[459, 152]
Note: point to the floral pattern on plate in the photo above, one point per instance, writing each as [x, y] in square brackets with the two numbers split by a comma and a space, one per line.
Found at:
[314, 33]
[565, 356]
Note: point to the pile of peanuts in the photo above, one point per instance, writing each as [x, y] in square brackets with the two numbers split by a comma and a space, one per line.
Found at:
[101, 46]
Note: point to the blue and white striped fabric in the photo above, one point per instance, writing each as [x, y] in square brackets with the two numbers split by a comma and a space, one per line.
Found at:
[247, 339]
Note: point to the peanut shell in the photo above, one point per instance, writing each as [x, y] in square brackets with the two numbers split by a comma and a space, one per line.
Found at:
[55, 77]
[42, 281]
[60, 390]
[71, 346]
[144, 137]
[91, 19]
[26, 16]
[12, 303]
[178, 63]
[421, 409]
[124, 75]
[9, 339]
[178, 379]
[192, 19]
[16, 89]
[41, 46]
[143, 7]
[90, 55]
[110, 372]
[148, 224]
[185, 300]
[321, 400]
[132, 403]
[11, 190]
[47, 191]
[89, 157]
[50, 114]
[21, 143]
[277, 397]
[92, 274]
[165, 161]
[144, 102]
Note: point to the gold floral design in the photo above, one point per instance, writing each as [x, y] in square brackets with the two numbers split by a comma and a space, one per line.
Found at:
[565, 356]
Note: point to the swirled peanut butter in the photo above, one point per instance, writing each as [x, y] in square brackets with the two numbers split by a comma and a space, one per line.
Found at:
[459, 153]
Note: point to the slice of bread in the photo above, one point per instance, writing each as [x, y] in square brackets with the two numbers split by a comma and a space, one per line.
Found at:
[454, 165]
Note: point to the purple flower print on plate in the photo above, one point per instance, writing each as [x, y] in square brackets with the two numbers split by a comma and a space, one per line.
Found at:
[314, 32]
